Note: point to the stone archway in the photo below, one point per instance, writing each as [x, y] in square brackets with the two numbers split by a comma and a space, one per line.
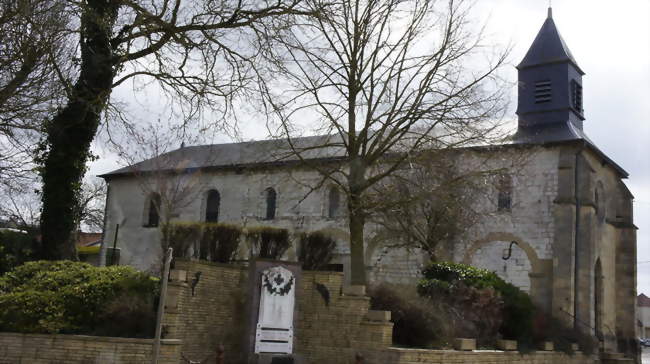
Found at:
[540, 272]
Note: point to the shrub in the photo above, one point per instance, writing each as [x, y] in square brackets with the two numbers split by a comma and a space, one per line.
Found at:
[471, 312]
[417, 321]
[74, 297]
[316, 250]
[220, 242]
[16, 248]
[518, 310]
[269, 242]
[547, 328]
[181, 236]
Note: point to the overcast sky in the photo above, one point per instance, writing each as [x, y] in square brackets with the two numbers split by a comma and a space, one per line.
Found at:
[610, 40]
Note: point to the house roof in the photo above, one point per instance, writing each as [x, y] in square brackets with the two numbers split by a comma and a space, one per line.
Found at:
[548, 47]
[643, 300]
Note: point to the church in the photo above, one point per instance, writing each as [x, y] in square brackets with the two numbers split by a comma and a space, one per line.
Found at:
[564, 232]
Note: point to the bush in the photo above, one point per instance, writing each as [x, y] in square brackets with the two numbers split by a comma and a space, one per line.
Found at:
[181, 236]
[417, 321]
[471, 312]
[16, 248]
[77, 298]
[518, 310]
[547, 328]
[220, 242]
[316, 250]
[269, 242]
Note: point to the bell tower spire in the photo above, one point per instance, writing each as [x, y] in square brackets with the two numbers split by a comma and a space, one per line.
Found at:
[550, 88]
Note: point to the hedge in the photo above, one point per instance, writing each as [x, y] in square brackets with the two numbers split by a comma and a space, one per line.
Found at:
[77, 298]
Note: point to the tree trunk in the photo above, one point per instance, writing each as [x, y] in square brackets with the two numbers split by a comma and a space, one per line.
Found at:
[357, 220]
[71, 131]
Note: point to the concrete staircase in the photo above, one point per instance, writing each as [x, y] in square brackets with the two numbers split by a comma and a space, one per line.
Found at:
[615, 358]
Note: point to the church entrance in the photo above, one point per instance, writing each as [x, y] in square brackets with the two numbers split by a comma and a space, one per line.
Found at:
[507, 260]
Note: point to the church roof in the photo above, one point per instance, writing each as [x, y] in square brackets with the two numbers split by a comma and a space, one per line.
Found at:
[545, 134]
[279, 151]
[548, 47]
[234, 155]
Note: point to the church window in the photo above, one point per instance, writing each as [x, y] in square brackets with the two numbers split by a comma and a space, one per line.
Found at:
[153, 211]
[271, 200]
[212, 206]
[334, 202]
[504, 192]
[542, 91]
[576, 96]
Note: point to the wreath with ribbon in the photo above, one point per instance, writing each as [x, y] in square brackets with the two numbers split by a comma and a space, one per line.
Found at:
[276, 283]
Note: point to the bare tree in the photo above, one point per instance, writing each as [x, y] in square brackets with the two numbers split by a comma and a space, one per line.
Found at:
[33, 57]
[387, 78]
[438, 197]
[201, 52]
[168, 180]
[90, 206]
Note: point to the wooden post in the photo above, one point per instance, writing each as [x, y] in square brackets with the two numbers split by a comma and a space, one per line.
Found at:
[161, 305]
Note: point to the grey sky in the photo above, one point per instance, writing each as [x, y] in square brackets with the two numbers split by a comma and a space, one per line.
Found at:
[611, 43]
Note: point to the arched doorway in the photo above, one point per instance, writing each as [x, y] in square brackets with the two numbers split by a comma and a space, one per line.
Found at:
[522, 262]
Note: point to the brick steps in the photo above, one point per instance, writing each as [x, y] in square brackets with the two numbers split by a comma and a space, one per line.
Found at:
[615, 358]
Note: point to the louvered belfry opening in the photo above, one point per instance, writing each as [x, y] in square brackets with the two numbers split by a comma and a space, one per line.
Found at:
[543, 91]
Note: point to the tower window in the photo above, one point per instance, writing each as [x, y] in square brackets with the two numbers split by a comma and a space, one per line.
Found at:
[271, 197]
[504, 193]
[212, 206]
[542, 91]
[576, 96]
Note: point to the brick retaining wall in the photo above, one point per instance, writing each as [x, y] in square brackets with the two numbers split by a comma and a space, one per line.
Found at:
[326, 332]
[422, 356]
[18, 348]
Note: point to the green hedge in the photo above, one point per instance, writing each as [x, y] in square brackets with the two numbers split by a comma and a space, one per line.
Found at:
[268, 242]
[518, 309]
[77, 298]
[16, 248]
[316, 250]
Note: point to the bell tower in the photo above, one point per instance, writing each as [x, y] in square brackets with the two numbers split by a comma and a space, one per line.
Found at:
[549, 104]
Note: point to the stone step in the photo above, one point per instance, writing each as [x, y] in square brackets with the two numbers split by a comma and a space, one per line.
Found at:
[618, 361]
[610, 355]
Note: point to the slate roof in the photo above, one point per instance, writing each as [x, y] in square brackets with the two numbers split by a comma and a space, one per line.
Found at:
[233, 155]
[545, 134]
[548, 47]
[278, 152]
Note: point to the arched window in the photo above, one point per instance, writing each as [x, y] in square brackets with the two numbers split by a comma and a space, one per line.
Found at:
[504, 188]
[334, 202]
[153, 212]
[271, 198]
[212, 206]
